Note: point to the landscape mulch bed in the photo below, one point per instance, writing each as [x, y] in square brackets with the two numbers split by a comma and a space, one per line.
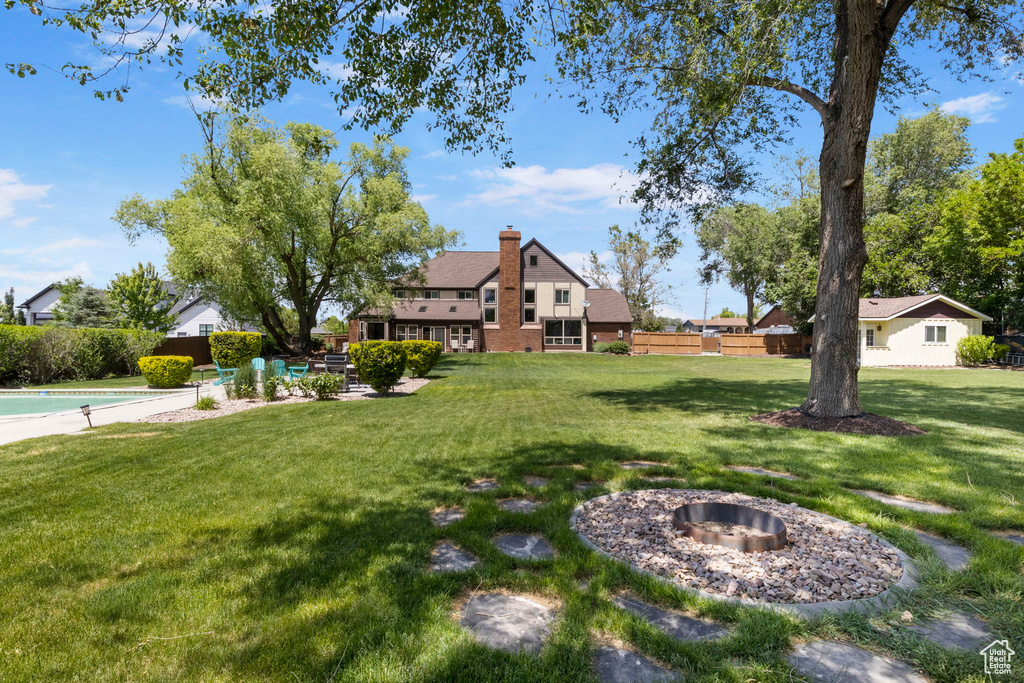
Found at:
[868, 423]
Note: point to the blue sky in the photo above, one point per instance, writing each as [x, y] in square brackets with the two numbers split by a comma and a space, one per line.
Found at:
[67, 159]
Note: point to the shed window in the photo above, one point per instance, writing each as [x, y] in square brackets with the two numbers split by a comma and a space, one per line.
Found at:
[935, 334]
[870, 336]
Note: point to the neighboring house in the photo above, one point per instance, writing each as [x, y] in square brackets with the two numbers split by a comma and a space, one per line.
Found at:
[717, 324]
[775, 321]
[519, 298]
[196, 318]
[914, 330]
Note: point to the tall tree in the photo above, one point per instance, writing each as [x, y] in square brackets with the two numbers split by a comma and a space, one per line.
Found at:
[267, 220]
[718, 76]
[740, 242]
[142, 301]
[7, 313]
[635, 269]
[909, 172]
[381, 61]
[81, 305]
[978, 243]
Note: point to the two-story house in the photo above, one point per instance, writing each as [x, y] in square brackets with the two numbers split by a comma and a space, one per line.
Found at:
[519, 298]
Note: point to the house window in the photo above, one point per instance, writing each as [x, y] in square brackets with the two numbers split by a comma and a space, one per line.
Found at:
[399, 293]
[869, 336]
[530, 296]
[563, 332]
[374, 331]
[466, 294]
[462, 335]
[490, 315]
[183, 334]
[561, 296]
[404, 332]
[529, 315]
[533, 259]
[490, 296]
[431, 294]
[935, 334]
[205, 330]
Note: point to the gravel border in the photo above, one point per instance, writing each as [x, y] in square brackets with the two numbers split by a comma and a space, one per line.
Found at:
[807, 610]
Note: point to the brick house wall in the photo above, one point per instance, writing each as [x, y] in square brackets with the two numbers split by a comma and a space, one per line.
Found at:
[608, 332]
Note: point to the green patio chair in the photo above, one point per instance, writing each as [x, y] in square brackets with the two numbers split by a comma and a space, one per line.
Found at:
[297, 371]
[226, 374]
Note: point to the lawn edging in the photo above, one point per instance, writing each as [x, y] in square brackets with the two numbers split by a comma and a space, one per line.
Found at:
[807, 610]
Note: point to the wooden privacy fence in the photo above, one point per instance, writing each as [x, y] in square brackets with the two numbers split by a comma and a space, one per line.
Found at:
[758, 344]
[197, 347]
[666, 342]
[335, 340]
[690, 344]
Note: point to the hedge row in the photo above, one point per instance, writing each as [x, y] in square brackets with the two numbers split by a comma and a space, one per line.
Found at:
[39, 355]
[381, 363]
[235, 349]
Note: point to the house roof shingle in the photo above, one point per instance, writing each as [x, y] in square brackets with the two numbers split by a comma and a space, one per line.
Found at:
[459, 269]
[885, 308]
[607, 306]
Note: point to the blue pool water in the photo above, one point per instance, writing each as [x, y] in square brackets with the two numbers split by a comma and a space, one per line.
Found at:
[30, 403]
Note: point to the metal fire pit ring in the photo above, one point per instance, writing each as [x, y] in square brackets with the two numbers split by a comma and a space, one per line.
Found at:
[774, 528]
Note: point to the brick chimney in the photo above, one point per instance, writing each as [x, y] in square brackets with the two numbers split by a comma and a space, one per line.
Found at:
[509, 284]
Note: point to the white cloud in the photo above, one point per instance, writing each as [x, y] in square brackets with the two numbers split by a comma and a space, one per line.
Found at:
[978, 107]
[577, 260]
[436, 154]
[447, 177]
[12, 191]
[73, 243]
[420, 198]
[337, 70]
[38, 278]
[201, 102]
[536, 190]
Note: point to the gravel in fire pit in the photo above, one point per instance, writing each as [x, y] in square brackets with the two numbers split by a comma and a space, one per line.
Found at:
[824, 560]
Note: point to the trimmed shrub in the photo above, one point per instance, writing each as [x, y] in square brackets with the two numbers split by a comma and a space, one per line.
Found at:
[618, 347]
[323, 386]
[166, 372]
[235, 349]
[38, 355]
[379, 363]
[977, 349]
[601, 347]
[422, 356]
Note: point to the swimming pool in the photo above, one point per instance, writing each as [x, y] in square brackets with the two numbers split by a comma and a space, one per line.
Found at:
[47, 402]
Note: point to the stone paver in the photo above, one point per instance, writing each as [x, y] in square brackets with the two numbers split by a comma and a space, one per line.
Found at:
[956, 631]
[678, 626]
[535, 481]
[640, 464]
[1011, 536]
[524, 547]
[906, 503]
[482, 485]
[519, 505]
[955, 557]
[448, 558]
[762, 472]
[822, 660]
[507, 622]
[446, 517]
[615, 665]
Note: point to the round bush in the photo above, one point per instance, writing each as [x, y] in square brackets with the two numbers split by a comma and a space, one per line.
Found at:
[166, 372]
[379, 363]
[235, 349]
[422, 356]
[619, 347]
[977, 349]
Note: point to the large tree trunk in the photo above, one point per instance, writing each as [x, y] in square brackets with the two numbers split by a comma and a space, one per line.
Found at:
[860, 48]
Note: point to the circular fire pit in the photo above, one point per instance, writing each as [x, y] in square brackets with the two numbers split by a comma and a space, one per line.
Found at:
[733, 526]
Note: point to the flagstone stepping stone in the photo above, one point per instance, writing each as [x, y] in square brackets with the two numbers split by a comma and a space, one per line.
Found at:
[678, 626]
[956, 631]
[446, 517]
[823, 660]
[1011, 536]
[524, 547]
[640, 464]
[906, 503]
[955, 557]
[585, 486]
[507, 622]
[762, 472]
[482, 485]
[536, 481]
[519, 505]
[448, 558]
[615, 665]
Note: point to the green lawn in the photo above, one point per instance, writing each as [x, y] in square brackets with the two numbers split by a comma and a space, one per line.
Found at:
[289, 543]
